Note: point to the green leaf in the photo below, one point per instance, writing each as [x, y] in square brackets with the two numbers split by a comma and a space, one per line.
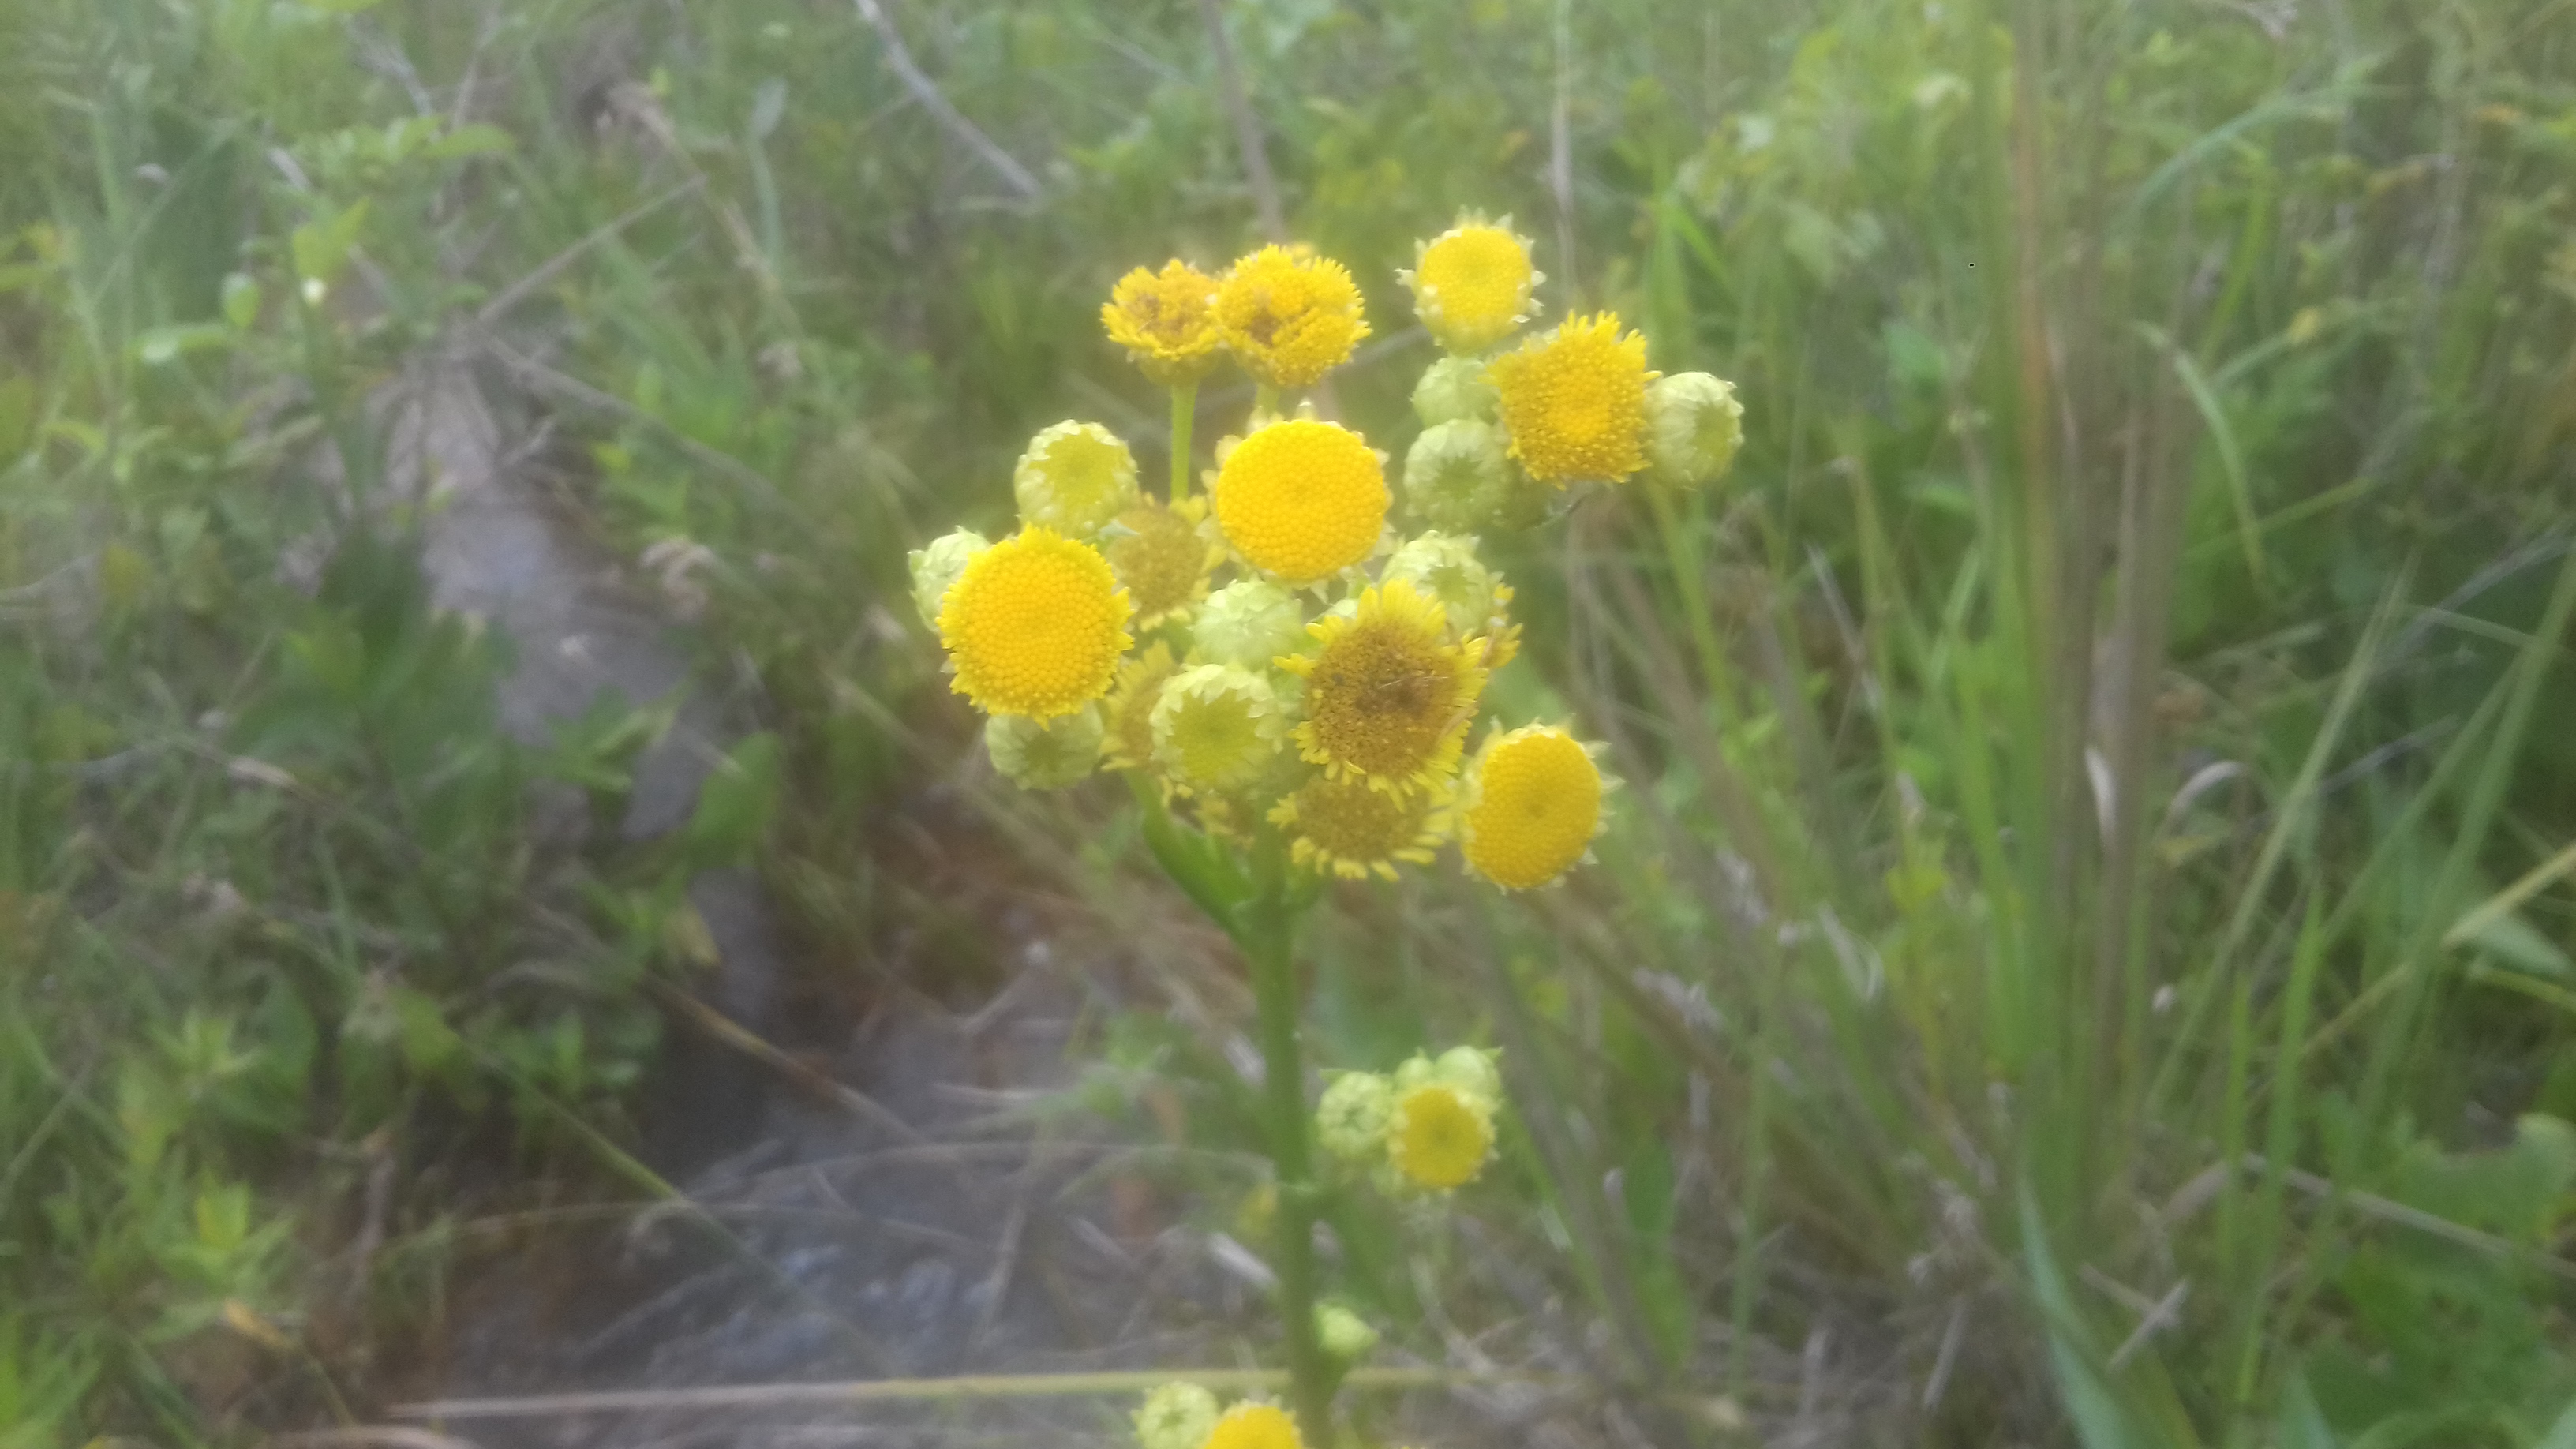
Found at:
[736, 803]
[322, 246]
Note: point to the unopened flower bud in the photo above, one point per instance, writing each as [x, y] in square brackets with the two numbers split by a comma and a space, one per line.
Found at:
[1454, 388]
[937, 566]
[1176, 1416]
[1075, 478]
[1693, 427]
[1248, 623]
[1045, 756]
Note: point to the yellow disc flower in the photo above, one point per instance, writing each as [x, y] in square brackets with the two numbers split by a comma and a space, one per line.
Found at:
[1074, 478]
[1439, 1137]
[1255, 1425]
[1352, 831]
[1472, 283]
[1217, 727]
[1302, 500]
[1388, 697]
[1130, 740]
[1160, 553]
[1035, 625]
[1289, 318]
[1531, 806]
[1167, 322]
[1574, 401]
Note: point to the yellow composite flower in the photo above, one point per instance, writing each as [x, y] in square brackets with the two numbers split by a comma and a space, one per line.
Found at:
[1472, 283]
[1074, 478]
[1035, 625]
[1388, 697]
[1217, 727]
[1255, 1425]
[1159, 551]
[1302, 500]
[1352, 831]
[1167, 322]
[1574, 401]
[1439, 1137]
[1530, 807]
[1289, 317]
[1130, 739]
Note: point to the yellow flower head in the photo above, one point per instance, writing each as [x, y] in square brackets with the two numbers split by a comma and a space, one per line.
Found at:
[1167, 322]
[1531, 806]
[1217, 727]
[1344, 827]
[1035, 625]
[1388, 697]
[1472, 283]
[1302, 500]
[1255, 1425]
[1439, 1137]
[1130, 742]
[1574, 401]
[1074, 478]
[1289, 318]
[1046, 755]
[1159, 552]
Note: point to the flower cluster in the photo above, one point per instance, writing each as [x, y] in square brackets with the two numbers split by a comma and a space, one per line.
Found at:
[1428, 1126]
[1277, 654]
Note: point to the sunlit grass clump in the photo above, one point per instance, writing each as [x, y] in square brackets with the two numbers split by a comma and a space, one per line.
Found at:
[1297, 662]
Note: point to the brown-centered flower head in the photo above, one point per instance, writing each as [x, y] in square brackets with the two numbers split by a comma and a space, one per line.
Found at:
[1388, 697]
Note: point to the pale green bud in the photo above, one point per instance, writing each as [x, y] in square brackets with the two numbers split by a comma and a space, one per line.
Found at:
[1445, 567]
[1075, 478]
[1457, 478]
[1217, 727]
[1045, 755]
[1176, 1416]
[1454, 388]
[1350, 1119]
[936, 567]
[1693, 427]
[1345, 1335]
[1468, 1071]
[1248, 623]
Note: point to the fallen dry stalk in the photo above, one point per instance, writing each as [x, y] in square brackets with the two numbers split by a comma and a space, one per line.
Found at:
[1717, 1411]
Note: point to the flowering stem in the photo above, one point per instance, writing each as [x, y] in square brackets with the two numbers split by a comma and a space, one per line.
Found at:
[1265, 929]
[1185, 403]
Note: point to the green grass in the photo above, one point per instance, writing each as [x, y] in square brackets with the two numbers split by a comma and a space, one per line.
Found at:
[2133, 394]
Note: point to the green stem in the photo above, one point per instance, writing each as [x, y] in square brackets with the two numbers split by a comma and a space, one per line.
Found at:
[1185, 402]
[1265, 931]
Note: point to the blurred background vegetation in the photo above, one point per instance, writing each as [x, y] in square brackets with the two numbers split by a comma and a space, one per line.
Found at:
[2088, 937]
